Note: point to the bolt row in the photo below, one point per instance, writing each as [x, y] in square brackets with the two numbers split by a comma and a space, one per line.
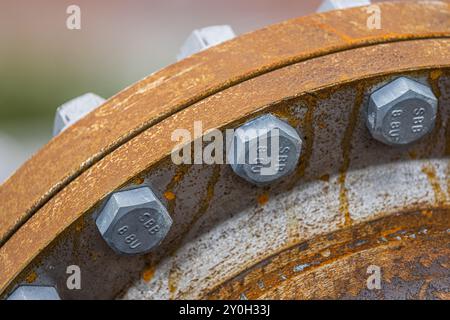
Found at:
[399, 113]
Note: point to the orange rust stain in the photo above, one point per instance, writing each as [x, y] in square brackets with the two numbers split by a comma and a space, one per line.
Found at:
[442, 295]
[138, 180]
[169, 195]
[174, 276]
[180, 172]
[388, 232]
[426, 261]
[412, 154]
[343, 199]
[423, 289]
[427, 213]
[346, 151]
[385, 37]
[435, 74]
[439, 195]
[31, 277]
[328, 28]
[322, 124]
[283, 110]
[263, 199]
[325, 178]
[172, 288]
[79, 225]
[148, 274]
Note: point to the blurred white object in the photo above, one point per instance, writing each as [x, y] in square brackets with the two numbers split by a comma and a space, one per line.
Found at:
[14, 153]
[329, 5]
[75, 109]
[10, 156]
[205, 38]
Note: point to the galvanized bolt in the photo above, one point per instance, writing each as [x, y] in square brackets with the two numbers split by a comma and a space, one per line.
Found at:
[75, 109]
[401, 112]
[264, 150]
[205, 38]
[133, 221]
[329, 5]
[34, 293]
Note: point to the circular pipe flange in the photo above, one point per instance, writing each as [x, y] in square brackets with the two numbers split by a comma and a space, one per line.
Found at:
[299, 102]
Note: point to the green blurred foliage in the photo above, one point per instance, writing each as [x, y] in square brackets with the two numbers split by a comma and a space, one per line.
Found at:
[30, 91]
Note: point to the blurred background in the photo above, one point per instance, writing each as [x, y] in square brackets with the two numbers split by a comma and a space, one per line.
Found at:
[43, 64]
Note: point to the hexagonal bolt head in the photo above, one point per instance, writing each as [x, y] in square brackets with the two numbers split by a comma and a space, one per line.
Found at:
[205, 38]
[34, 293]
[329, 5]
[401, 112]
[75, 109]
[264, 150]
[134, 221]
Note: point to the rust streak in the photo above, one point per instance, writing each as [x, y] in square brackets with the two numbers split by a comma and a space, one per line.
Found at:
[174, 273]
[433, 79]
[346, 151]
[424, 288]
[308, 133]
[263, 199]
[148, 274]
[204, 204]
[180, 172]
[31, 278]
[169, 195]
[439, 195]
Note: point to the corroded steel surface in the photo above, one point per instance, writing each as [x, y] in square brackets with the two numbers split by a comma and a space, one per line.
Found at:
[166, 92]
[269, 92]
[410, 248]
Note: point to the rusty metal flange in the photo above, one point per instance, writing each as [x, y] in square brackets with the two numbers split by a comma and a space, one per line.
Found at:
[170, 90]
[67, 216]
[83, 194]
